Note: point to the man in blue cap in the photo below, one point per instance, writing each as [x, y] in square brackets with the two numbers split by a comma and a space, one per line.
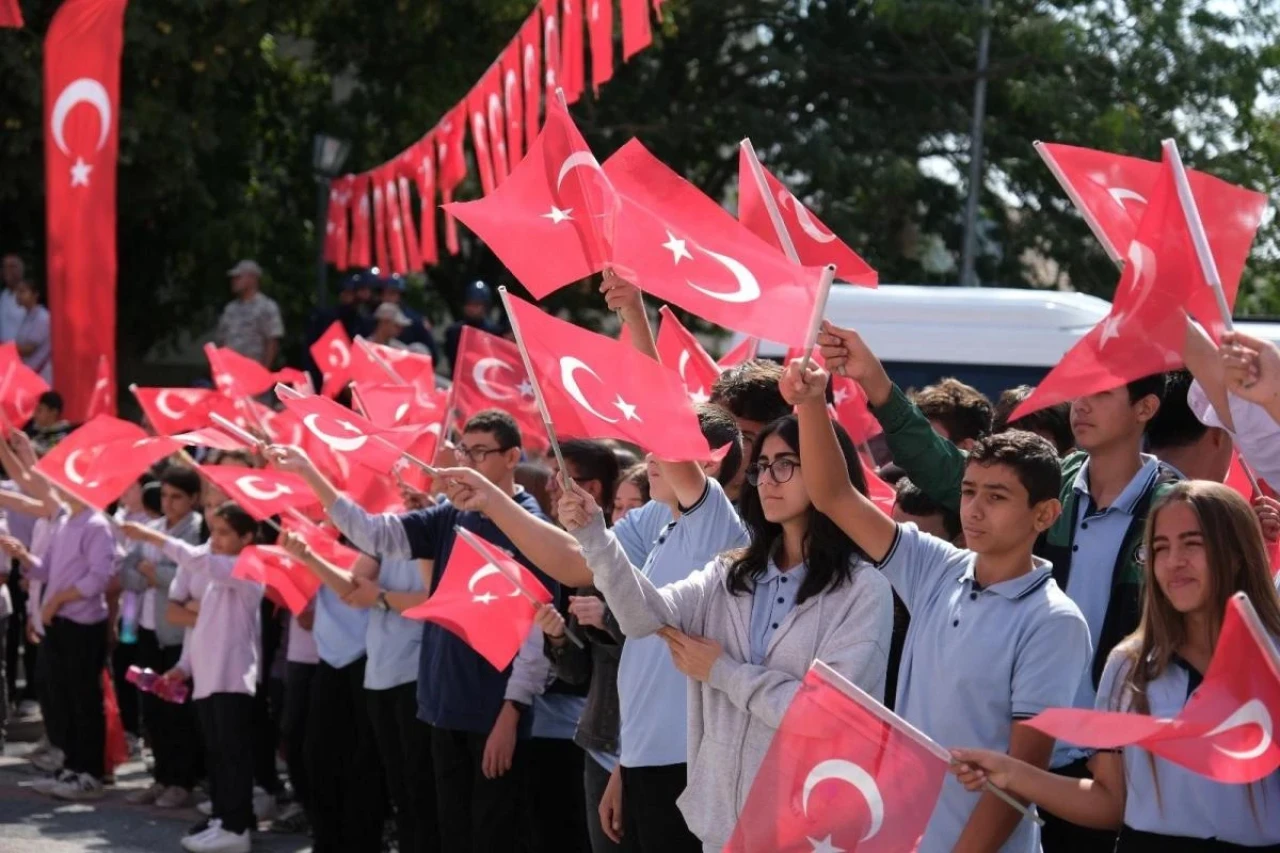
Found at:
[476, 302]
[419, 330]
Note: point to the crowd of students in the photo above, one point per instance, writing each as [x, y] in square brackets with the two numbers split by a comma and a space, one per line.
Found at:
[1079, 557]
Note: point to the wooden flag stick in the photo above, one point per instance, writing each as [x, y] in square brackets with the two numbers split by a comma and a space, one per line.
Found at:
[1098, 231]
[819, 308]
[244, 435]
[1204, 252]
[380, 361]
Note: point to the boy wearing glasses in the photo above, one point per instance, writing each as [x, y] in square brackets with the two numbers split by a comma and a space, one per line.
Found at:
[475, 712]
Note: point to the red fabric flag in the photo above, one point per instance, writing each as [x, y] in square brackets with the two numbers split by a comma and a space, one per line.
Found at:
[739, 354]
[1224, 730]
[380, 255]
[332, 354]
[572, 69]
[843, 773]
[390, 406]
[424, 173]
[81, 131]
[236, 375]
[636, 32]
[600, 31]
[96, 462]
[174, 410]
[20, 387]
[211, 437]
[103, 400]
[495, 119]
[10, 14]
[451, 165]
[597, 387]
[881, 493]
[361, 254]
[395, 224]
[1145, 330]
[478, 599]
[261, 492]
[476, 107]
[336, 232]
[513, 101]
[274, 568]
[376, 364]
[531, 73]
[347, 434]
[678, 348]
[1238, 479]
[676, 243]
[1113, 193]
[490, 374]
[551, 48]
[407, 166]
[540, 222]
[815, 244]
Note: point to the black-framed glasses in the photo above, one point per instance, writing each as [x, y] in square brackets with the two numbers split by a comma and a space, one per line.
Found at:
[781, 470]
[477, 454]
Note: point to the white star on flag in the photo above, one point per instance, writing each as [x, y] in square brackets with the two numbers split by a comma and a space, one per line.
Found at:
[1110, 328]
[825, 846]
[486, 598]
[628, 410]
[80, 173]
[699, 397]
[557, 215]
[525, 389]
[840, 396]
[676, 247]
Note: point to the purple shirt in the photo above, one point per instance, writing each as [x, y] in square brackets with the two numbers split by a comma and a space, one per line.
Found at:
[221, 652]
[79, 552]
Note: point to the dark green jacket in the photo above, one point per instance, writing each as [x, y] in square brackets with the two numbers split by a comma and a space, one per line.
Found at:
[936, 466]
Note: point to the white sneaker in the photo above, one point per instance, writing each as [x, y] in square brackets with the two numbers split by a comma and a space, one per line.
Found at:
[173, 797]
[218, 840]
[83, 787]
[205, 808]
[265, 806]
[49, 761]
[215, 825]
[42, 746]
[46, 786]
[146, 796]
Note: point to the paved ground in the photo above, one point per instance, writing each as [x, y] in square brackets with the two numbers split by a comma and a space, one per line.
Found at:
[32, 823]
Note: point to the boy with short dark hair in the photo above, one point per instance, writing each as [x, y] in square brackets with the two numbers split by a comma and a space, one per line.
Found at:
[1053, 423]
[958, 412]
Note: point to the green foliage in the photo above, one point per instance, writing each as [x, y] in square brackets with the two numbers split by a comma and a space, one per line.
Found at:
[843, 99]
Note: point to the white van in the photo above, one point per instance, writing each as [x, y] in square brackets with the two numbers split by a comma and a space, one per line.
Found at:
[991, 338]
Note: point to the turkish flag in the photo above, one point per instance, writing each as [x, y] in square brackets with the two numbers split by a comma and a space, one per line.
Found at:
[174, 410]
[451, 164]
[881, 493]
[636, 32]
[380, 254]
[495, 118]
[490, 374]
[332, 354]
[407, 166]
[541, 223]
[20, 387]
[81, 131]
[211, 437]
[395, 225]
[1113, 193]
[390, 406]
[98, 461]
[551, 48]
[597, 387]
[1238, 479]
[573, 72]
[361, 254]
[273, 567]
[347, 434]
[283, 427]
[476, 112]
[678, 348]
[513, 100]
[235, 375]
[1224, 730]
[377, 363]
[336, 231]
[10, 14]
[531, 73]
[843, 773]
[1145, 330]
[600, 32]
[479, 599]
[739, 354]
[676, 243]
[103, 401]
[261, 492]
[424, 157]
[814, 243]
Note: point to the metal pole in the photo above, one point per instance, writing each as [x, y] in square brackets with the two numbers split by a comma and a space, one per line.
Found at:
[322, 219]
[968, 275]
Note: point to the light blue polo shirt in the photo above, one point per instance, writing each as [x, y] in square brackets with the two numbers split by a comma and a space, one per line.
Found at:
[978, 658]
[651, 691]
[1096, 544]
[1188, 805]
[339, 630]
[556, 715]
[394, 641]
[638, 530]
[772, 599]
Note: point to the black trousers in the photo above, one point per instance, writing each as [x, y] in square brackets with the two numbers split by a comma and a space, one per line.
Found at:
[128, 697]
[225, 718]
[477, 815]
[297, 708]
[266, 719]
[650, 819]
[404, 743]
[348, 803]
[1060, 836]
[173, 730]
[73, 658]
[18, 647]
[554, 799]
[594, 780]
[1135, 841]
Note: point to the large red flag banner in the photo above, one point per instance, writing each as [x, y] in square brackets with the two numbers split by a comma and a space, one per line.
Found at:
[82, 104]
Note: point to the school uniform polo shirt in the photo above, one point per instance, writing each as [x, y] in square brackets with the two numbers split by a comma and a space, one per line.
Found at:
[1163, 798]
[978, 658]
[340, 631]
[651, 691]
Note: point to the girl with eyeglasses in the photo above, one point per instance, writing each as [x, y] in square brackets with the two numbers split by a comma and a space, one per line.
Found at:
[1203, 545]
[747, 627]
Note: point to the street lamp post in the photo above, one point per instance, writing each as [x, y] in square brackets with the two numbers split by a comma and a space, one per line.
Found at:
[328, 153]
